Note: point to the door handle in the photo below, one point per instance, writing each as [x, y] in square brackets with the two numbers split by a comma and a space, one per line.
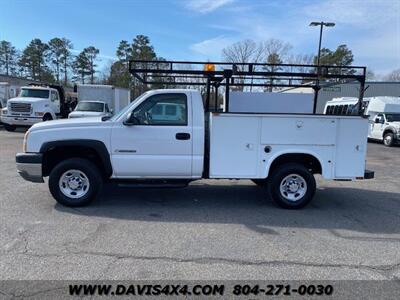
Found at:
[182, 136]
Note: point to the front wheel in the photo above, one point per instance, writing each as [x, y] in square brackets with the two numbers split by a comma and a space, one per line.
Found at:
[75, 182]
[388, 139]
[9, 127]
[291, 186]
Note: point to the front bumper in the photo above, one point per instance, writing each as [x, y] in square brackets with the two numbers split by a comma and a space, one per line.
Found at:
[20, 120]
[29, 166]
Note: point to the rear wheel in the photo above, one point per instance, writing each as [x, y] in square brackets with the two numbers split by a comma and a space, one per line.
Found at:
[75, 182]
[9, 127]
[291, 186]
[388, 139]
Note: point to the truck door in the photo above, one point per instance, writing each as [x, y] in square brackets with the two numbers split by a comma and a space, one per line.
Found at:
[159, 147]
[378, 127]
[55, 102]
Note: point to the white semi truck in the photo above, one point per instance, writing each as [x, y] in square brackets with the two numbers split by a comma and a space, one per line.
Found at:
[169, 137]
[35, 103]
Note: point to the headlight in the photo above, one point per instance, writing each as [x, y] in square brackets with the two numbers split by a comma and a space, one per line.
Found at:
[24, 144]
[39, 114]
[4, 111]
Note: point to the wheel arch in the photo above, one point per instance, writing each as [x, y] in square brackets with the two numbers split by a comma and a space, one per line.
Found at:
[307, 158]
[389, 129]
[94, 150]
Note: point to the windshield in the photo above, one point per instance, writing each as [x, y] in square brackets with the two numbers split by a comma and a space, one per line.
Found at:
[34, 93]
[393, 117]
[90, 106]
[126, 108]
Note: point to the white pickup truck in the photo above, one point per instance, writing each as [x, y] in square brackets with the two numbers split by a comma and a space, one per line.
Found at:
[281, 152]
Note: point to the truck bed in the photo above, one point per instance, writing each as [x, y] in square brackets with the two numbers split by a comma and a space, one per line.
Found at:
[244, 145]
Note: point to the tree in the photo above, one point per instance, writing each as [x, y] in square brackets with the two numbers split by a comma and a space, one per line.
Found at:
[91, 56]
[66, 58]
[124, 51]
[81, 66]
[59, 54]
[55, 52]
[33, 59]
[8, 58]
[276, 52]
[246, 51]
[394, 75]
[342, 56]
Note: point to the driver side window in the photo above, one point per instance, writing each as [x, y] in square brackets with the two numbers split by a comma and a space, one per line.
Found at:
[163, 109]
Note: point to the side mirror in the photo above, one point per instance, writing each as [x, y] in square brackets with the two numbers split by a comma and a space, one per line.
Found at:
[131, 120]
[377, 120]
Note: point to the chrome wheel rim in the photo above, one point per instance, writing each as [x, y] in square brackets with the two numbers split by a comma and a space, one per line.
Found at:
[293, 187]
[388, 140]
[74, 184]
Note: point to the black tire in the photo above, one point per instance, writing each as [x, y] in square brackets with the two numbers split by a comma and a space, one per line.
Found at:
[47, 117]
[277, 177]
[9, 127]
[388, 139]
[260, 182]
[92, 174]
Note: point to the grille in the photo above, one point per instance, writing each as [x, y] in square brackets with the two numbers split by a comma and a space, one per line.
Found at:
[21, 107]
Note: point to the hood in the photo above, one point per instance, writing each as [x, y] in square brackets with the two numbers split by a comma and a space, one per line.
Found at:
[395, 124]
[65, 123]
[26, 100]
[78, 114]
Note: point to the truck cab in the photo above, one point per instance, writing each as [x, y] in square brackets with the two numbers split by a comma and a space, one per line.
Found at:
[34, 104]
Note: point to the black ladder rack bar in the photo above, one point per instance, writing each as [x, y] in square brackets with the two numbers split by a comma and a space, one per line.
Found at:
[239, 75]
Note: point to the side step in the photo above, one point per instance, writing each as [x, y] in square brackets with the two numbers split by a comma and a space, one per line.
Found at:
[152, 183]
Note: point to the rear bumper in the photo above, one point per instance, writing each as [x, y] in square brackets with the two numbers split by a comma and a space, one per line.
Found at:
[29, 166]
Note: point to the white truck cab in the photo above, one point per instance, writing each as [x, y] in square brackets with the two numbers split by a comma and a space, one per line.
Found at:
[34, 104]
[168, 138]
[90, 109]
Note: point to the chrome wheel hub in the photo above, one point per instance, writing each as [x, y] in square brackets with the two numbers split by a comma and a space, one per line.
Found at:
[74, 184]
[293, 187]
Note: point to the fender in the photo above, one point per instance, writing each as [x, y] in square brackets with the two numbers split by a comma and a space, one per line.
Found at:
[96, 145]
[390, 128]
[292, 151]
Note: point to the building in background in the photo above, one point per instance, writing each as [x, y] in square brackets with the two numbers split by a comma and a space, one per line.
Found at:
[375, 88]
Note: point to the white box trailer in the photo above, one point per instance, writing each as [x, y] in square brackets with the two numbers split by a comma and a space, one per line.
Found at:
[116, 98]
[7, 91]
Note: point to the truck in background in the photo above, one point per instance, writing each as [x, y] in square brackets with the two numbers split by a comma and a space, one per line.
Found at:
[116, 98]
[383, 113]
[7, 91]
[35, 103]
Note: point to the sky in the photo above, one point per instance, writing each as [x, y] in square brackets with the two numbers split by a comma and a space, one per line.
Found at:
[200, 29]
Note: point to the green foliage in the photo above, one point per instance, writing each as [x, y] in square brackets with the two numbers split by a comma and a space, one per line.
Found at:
[85, 64]
[60, 56]
[342, 56]
[8, 58]
[33, 61]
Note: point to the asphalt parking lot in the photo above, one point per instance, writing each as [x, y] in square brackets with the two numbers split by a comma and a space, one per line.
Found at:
[210, 230]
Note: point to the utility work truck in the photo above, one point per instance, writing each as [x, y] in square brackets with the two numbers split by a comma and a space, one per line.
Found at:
[170, 137]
